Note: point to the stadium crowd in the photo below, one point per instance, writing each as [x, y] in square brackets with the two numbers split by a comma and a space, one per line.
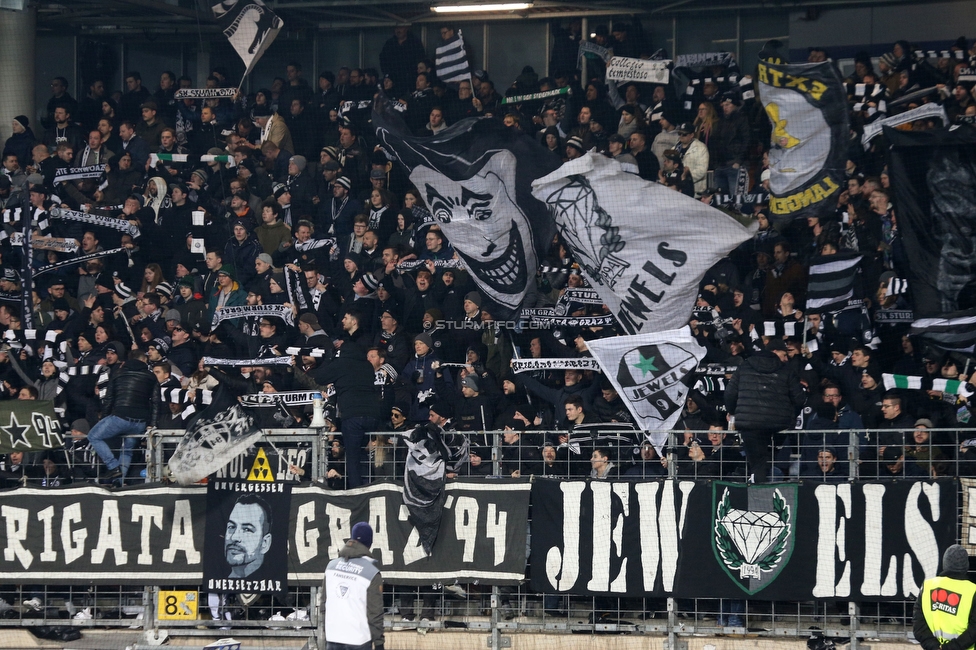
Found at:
[301, 207]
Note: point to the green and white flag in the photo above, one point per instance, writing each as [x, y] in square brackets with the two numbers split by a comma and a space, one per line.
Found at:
[909, 382]
[953, 386]
[29, 425]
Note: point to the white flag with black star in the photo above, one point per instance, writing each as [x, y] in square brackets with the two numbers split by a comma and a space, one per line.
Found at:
[649, 373]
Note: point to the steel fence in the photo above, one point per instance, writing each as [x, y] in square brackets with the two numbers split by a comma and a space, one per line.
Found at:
[822, 455]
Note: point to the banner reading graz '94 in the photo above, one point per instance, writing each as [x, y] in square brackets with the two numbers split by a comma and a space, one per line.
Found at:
[807, 106]
[783, 541]
[155, 535]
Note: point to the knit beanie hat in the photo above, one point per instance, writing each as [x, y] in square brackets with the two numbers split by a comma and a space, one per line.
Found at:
[955, 559]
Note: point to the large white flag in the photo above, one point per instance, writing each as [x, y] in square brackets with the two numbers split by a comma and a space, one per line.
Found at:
[249, 26]
[642, 245]
[648, 370]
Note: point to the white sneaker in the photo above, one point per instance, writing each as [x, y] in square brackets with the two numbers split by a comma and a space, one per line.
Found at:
[456, 590]
[4, 605]
[137, 626]
[82, 615]
[34, 604]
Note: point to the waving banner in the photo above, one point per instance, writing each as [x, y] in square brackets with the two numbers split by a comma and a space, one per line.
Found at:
[645, 258]
[249, 26]
[476, 178]
[807, 106]
[933, 183]
[710, 539]
[648, 371]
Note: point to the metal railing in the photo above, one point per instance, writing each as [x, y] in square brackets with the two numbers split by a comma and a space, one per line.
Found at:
[797, 455]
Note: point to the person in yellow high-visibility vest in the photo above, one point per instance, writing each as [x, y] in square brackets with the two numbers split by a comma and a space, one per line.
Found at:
[945, 618]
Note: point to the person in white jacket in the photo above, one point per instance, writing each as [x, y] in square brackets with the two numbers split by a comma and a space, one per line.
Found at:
[694, 156]
[352, 596]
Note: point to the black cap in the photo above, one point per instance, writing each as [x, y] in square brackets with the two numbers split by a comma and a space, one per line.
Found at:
[776, 344]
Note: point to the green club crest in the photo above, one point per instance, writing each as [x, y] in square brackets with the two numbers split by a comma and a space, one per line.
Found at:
[753, 528]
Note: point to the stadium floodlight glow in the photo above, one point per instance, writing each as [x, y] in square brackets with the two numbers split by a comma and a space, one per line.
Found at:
[464, 9]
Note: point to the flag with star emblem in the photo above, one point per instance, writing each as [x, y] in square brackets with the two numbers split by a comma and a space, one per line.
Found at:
[807, 107]
[650, 372]
[29, 425]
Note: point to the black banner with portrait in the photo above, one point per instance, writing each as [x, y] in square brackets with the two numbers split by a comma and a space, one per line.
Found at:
[246, 545]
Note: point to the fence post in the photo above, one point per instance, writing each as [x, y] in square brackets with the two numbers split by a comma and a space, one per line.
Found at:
[853, 609]
[853, 454]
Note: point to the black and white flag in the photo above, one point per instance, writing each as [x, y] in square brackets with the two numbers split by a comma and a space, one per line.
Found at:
[648, 371]
[249, 26]
[955, 331]
[645, 257]
[807, 106]
[476, 178]
[933, 183]
[211, 443]
[451, 61]
[831, 281]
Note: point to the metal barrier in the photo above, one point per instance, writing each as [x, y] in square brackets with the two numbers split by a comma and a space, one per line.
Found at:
[802, 455]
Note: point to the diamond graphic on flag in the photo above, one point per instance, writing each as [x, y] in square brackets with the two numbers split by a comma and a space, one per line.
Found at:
[588, 229]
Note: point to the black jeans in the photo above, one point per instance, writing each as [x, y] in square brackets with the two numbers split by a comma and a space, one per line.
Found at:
[354, 440]
[757, 445]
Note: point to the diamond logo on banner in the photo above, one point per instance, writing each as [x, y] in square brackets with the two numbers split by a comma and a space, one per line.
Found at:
[754, 541]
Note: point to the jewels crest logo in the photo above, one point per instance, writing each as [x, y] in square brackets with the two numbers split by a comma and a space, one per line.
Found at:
[753, 532]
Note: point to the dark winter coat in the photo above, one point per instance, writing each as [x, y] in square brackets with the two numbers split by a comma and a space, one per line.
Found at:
[764, 394]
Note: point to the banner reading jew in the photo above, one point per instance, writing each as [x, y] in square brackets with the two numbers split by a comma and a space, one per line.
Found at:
[701, 539]
[156, 535]
[645, 257]
[476, 179]
[807, 106]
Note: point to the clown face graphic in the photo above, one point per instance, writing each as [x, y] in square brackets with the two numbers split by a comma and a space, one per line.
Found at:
[485, 225]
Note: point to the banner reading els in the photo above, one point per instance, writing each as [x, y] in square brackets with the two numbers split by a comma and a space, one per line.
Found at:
[711, 539]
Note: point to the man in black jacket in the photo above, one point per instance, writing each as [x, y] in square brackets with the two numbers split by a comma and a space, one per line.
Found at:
[356, 403]
[126, 398]
[764, 395]
[732, 146]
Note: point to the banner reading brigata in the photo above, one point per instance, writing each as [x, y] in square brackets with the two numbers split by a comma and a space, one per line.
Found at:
[786, 541]
[156, 535]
